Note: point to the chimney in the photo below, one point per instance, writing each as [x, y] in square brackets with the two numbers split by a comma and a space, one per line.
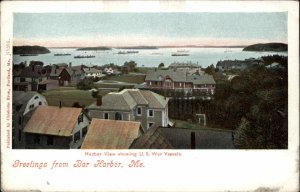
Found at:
[59, 104]
[70, 64]
[99, 100]
[193, 140]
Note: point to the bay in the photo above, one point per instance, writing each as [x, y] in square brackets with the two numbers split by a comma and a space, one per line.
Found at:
[145, 57]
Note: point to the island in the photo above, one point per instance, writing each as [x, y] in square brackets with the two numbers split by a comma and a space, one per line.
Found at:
[93, 49]
[274, 47]
[138, 47]
[29, 50]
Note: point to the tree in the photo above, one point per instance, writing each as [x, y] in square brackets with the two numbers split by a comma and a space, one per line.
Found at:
[161, 65]
[131, 65]
[210, 69]
[85, 84]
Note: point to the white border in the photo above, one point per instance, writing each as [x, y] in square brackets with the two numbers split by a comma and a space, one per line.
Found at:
[205, 170]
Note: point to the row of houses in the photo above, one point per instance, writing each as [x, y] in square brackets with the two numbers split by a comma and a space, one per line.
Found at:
[128, 119]
[39, 77]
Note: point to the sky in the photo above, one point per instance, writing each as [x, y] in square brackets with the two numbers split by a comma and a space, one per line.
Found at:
[152, 29]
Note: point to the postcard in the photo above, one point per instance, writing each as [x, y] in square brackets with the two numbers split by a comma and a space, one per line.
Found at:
[150, 96]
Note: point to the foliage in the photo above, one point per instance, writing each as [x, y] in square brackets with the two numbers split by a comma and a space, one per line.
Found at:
[161, 65]
[254, 104]
[131, 65]
[34, 63]
[85, 84]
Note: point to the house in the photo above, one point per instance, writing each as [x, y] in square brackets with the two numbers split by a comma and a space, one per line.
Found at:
[27, 79]
[92, 72]
[144, 106]
[63, 75]
[24, 103]
[52, 127]
[111, 71]
[180, 80]
[182, 65]
[111, 134]
[77, 73]
[184, 138]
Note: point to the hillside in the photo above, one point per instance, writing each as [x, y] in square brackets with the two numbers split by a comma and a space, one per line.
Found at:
[276, 47]
[18, 50]
[93, 49]
[138, 47]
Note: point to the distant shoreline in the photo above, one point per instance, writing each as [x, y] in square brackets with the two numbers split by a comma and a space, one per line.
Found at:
[158, 47]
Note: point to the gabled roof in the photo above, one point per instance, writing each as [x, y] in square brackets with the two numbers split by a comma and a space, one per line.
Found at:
[152, 139]
[57, 71]
[201, 79]
[51, 120]
[21, 98]
[180, 138]
[31, 71]
[177, 75]
[91, 70]
[110, 134]
[154, 100]
[180, 76]
[127, 99]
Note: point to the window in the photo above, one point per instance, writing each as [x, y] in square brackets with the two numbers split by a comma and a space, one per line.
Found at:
[106, 116]
[20, 120]
[149, 125]
[139, 111]
[76, 136]
[31, 106]
[150, 113]
[118, 116]
[50, 140]
[84, 131]
[20, 136]
[36, 139]
[36, 97]
[80, 118]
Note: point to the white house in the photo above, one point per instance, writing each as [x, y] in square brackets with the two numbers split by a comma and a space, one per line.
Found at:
[52, 127]
[92, 72]
[24, 103]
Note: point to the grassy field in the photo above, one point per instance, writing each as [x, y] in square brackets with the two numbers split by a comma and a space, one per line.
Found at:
[138, 79]
[192, 125]
[68, 96]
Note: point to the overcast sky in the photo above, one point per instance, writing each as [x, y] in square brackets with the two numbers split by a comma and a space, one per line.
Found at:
[127, 29]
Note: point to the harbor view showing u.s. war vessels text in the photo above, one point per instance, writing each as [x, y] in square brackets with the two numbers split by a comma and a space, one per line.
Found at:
[150, 81]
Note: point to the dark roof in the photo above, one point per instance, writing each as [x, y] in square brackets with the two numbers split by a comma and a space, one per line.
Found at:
[127, 99]
[21, 98]
[180, 138]
[179, 76]
[55, 72]
[34, 71]
[110, 134]
[152, 139]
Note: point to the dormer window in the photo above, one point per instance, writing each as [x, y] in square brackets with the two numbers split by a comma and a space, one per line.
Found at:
[139, 111]
[80, 118]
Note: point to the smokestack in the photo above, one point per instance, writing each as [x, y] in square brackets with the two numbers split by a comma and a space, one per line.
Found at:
[59, 104]
[70, 64]
[193, 140]
[99, 100]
